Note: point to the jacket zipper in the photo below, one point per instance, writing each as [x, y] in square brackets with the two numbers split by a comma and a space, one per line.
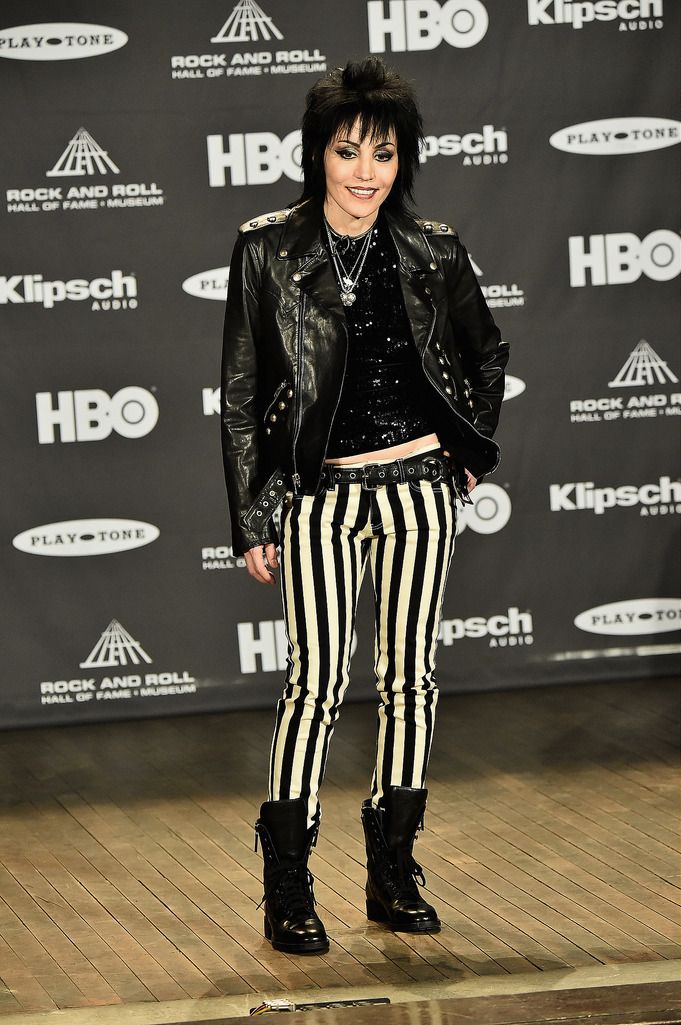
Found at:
[299, 391]
[340, 392]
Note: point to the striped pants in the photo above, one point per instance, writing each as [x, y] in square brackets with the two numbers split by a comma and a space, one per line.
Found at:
[407, 532]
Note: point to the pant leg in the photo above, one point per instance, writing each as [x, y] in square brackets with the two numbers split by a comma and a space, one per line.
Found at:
[324, 550]
[410, 560]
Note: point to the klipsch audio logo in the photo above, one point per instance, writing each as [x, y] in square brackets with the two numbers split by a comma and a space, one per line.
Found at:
[622, 257]
[632, 15]
[425, 24]
[208, 284]
[658, 499]
[476, 149]
[509, 629]
[247, 23]
[642, 369]
[91, 414]
[81, 538]
[116, 292]
[256, 158]
[116, 649]
[59, 41]
[613, 135]
[635, 616]
[83, 157]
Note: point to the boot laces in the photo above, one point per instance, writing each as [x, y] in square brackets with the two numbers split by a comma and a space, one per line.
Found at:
[408, 871]
[293, 883]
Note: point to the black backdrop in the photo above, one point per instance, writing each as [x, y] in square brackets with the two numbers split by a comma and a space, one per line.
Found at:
[137, 136]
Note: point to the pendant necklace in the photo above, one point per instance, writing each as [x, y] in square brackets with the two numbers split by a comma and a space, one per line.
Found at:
[348, 278]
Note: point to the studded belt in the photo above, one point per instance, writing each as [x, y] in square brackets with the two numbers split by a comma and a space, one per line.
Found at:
[372, 475]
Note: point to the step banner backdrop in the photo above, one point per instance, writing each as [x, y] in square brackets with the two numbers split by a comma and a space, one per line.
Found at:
[136, 138]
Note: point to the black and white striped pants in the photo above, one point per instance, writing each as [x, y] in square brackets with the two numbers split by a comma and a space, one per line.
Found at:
[407, 533]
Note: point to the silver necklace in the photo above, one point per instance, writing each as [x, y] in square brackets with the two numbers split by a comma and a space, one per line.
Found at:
[348, 279]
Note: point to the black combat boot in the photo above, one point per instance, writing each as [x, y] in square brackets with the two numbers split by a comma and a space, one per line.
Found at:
[291, 923]
[391, 891]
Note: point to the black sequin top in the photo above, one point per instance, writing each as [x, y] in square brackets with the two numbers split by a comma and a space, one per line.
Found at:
[385, 399]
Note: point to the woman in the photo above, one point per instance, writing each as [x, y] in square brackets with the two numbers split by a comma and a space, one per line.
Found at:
[362, 380]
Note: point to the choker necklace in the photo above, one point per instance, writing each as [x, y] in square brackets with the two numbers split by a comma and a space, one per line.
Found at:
[348, 278]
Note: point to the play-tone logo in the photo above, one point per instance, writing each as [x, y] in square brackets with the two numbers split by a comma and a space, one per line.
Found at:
[99, 536]
[59, 41]
[83, 157]
[513, 386]
[620, 258]
[247, 23]
[208, 284]
[632, 617]
[642, 368]
[490, 512]
[613, 135]
[425, 24]
[633, 15]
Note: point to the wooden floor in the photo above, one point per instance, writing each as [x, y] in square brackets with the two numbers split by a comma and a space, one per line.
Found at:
[127, 870]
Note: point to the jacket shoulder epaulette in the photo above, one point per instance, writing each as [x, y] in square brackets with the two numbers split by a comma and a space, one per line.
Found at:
[274, 217]
[431, 227]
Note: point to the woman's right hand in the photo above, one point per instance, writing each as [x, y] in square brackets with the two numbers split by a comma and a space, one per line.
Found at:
[258, 561]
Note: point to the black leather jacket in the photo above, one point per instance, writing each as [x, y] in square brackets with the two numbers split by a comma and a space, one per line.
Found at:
[284, 354]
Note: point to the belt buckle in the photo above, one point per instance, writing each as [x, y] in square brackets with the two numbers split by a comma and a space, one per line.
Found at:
[437, 465]
[365, 484]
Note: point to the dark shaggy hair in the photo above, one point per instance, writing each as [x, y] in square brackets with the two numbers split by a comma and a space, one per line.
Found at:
[382, 100]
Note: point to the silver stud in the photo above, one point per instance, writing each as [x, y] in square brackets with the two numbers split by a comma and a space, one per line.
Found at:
[448, 389]
[444, 227]
[283, 252]
[296, 276]
[289, 392]
[432, 265]
[445, 375]
[427, 290]
[281, 405]
[428, 227]
[441, 360]
[268, 430]
[273, 417]
[254, 224]
[271, 219]
[438, 347]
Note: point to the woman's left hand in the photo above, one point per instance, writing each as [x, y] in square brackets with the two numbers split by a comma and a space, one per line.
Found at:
[471, 481]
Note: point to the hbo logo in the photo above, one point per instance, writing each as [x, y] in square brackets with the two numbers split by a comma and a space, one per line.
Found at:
[490, 512]
[91, 414]
[257, 158]
[424, 24]
[622, 257]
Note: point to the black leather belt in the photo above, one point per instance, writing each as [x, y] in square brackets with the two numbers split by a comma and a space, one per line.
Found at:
[372, 475]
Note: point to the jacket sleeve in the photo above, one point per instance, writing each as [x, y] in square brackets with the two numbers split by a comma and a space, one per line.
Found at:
[239, 427]
[483, 353]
